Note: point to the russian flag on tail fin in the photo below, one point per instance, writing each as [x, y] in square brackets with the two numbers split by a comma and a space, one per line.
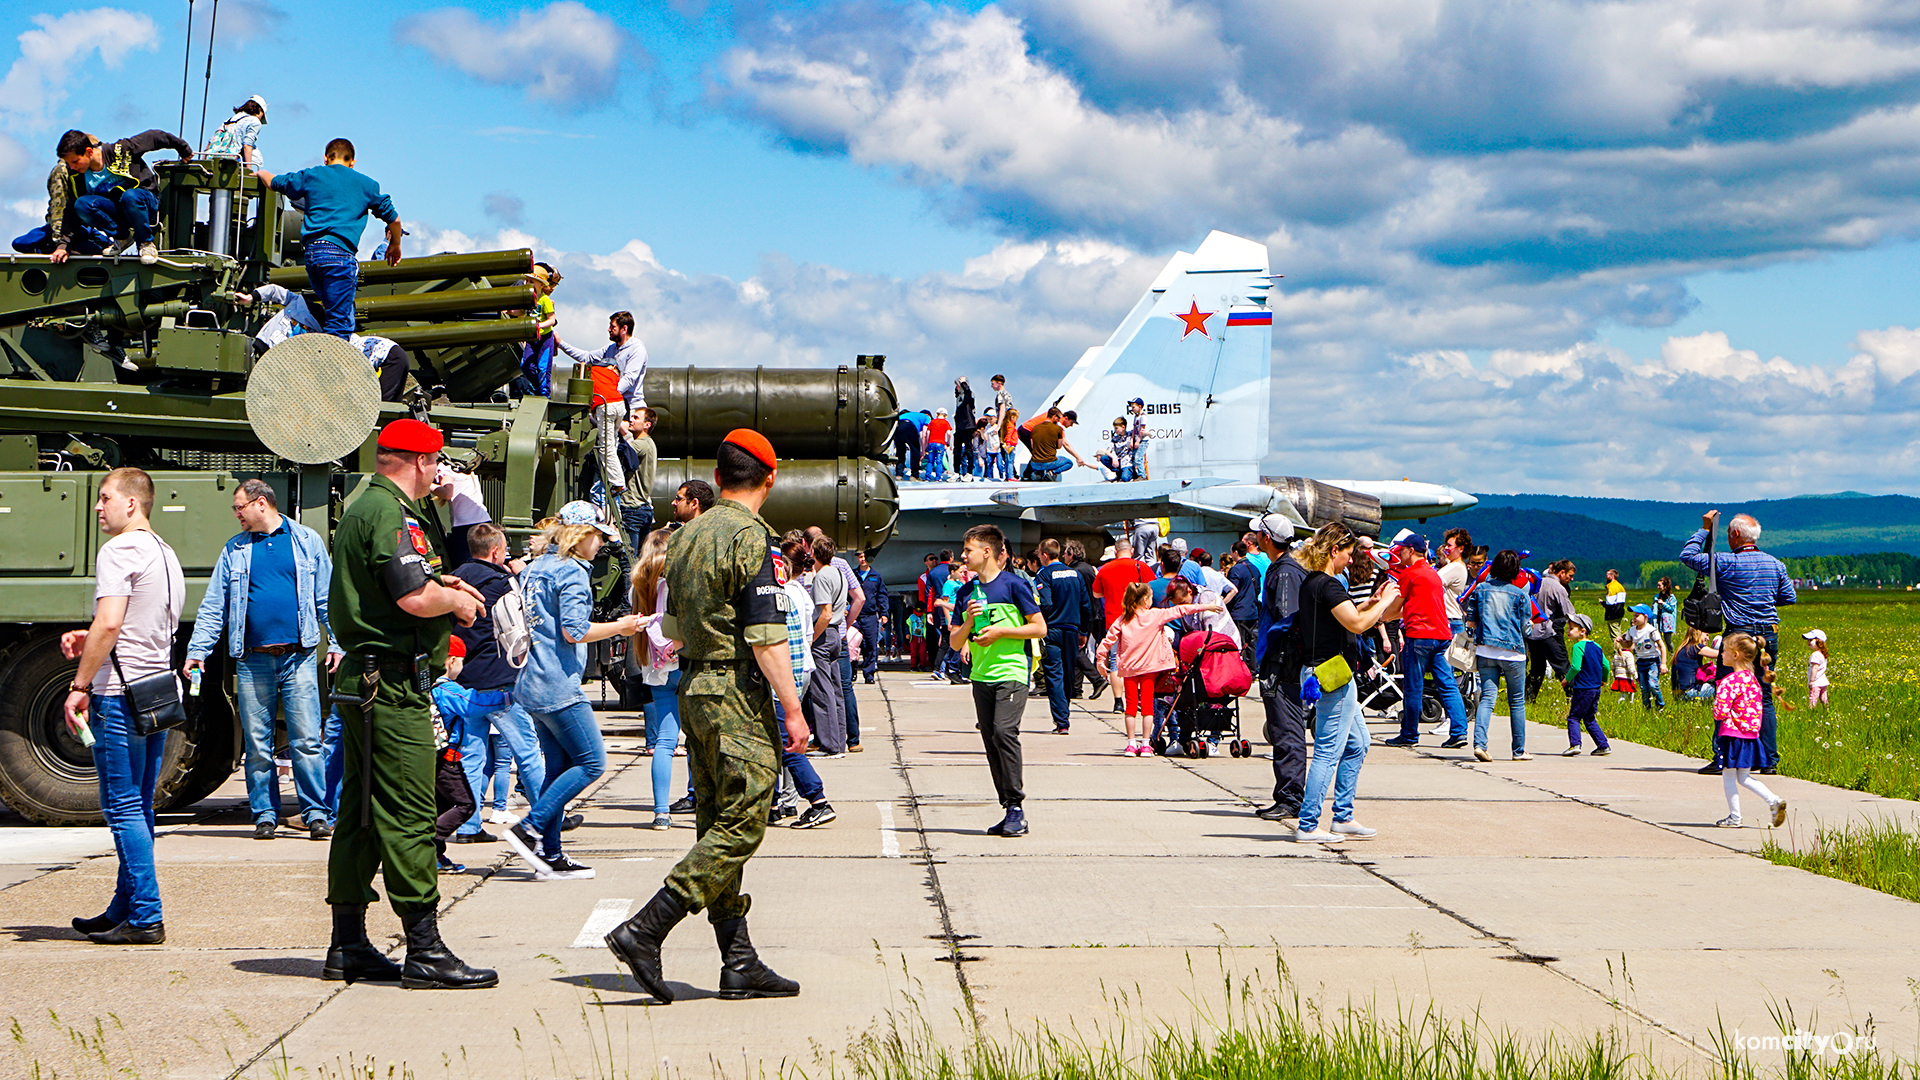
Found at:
[1250, 318]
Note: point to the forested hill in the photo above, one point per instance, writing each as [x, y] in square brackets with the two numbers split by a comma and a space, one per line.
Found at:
[1843, 524]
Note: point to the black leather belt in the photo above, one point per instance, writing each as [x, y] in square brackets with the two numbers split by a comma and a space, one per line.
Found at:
[278, 650]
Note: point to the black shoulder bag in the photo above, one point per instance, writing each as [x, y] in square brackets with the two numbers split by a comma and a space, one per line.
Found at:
[153, 702]
[1702, 607]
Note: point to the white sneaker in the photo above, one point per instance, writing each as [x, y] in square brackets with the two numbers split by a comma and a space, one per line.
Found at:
[149, 253]
[1353, 830]
[1729, 823]
[501, 817]
[1302, 836]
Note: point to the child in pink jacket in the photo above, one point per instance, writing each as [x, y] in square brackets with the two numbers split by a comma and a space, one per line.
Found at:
[1136, 650]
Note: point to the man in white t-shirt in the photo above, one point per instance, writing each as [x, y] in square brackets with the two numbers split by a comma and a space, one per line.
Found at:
[1453, 575]
[137, 596]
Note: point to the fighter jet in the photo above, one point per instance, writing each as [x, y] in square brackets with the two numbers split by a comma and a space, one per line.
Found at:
[1193, 364]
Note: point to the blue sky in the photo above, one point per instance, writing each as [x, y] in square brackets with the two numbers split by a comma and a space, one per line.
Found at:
[1655, 249]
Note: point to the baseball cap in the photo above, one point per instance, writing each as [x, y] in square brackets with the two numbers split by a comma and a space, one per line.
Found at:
[262, 102]
[1583, 622]
[1411, 541]
[1179, 544]
[411, 437]
[939, 412]
[1815, 635]
[1276, 527]
[1642, 609]
[1137, 401]
[582, 512]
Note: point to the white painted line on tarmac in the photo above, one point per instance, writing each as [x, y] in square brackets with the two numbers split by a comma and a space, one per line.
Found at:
[889, 841]
[607, 914]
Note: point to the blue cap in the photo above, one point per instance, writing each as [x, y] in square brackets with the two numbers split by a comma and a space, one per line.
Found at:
[582, 512]
[1642, 609]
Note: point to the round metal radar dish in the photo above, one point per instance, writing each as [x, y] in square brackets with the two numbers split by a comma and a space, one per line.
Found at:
[312, 398]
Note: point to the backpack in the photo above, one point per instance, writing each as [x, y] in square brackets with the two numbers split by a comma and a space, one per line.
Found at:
[1702, 607]
[510, 629]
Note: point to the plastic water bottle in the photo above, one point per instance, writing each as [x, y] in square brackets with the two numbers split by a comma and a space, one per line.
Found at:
[193, 683]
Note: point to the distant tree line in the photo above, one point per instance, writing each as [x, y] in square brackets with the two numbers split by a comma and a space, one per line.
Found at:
[1878, 568]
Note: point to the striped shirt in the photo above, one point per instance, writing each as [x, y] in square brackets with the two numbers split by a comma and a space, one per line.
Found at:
[1753, 584]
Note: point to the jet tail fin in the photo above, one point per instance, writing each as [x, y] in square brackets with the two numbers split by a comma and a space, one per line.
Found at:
[1197, 350]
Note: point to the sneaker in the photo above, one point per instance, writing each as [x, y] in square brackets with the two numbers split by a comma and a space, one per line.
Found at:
[684, 806]
[448, 866]
[1454, 744]
[501, 817]
[1119, 708]
[1780, 813]
[855, 748]
[265, 830]
[149, 253]
[1353, 830]
[1602, 751]
[1129, 749]
[1060, 730]
[1315, 836]
[480, 837]
[1400, 741]
[1728, 822]
[1014, 824]
[1480, 754]
[662, 821]
[572, 822]
[1709, 769]
[816, 815]
[561, 868]
[525, 845]
[1523, 756]
[1571, 751]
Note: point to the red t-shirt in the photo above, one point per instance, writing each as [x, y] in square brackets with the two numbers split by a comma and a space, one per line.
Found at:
[1110, 583]
[937, 431]
[1423, 610]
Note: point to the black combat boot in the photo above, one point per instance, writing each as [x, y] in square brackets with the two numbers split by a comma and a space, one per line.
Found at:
[742, 975]
[351, 956]
[637, 942]
[431, 965]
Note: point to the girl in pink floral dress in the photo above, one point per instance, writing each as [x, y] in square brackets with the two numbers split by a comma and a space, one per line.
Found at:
[1736, 709]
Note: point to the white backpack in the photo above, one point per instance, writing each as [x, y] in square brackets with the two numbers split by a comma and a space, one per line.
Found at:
[510, 627]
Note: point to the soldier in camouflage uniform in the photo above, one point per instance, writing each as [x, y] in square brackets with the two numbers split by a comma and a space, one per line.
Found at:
[389, 612]
[727, 608]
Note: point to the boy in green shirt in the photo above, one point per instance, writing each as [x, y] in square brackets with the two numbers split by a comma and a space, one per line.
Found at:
[1000, 617]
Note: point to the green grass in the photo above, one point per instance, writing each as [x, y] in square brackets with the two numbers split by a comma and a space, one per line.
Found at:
[1865, 740]
[1879, 854]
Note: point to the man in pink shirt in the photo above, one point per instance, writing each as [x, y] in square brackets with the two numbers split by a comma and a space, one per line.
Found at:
[1423, 626]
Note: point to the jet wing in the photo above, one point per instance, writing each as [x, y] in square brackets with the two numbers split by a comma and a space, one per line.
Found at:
[1091, 504]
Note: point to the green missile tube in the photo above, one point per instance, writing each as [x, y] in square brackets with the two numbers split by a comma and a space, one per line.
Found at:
[853, 499]
[848, 412]
[423, 268]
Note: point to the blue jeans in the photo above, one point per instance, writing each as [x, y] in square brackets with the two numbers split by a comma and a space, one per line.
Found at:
[1417, 657]
[875, 637]
[514, 729]
[128, 766]
[39, 240]
[290, 683]
[935, 466]
[1049, 470]
[1057, 659]
[497, 777]
[1125, 471]
[638, 521]
[663, 736]
[1339, 749]
[336, 760]
[334, 273]
[131, 210]
[846, 690]
[575, 757]
[966, 460]
[1585, 713]
[806, 780]
[1650, 693]
[1515, 673]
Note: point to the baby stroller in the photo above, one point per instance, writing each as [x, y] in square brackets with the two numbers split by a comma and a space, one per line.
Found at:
[1206, 706]
[1378, 685]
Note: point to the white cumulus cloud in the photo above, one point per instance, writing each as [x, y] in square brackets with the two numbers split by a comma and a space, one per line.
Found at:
[62, 49]
[565, 54]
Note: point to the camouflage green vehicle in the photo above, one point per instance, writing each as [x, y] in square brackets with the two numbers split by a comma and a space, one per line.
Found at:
[106, 362]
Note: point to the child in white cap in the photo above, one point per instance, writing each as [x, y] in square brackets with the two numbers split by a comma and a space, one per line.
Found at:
[1816, 668]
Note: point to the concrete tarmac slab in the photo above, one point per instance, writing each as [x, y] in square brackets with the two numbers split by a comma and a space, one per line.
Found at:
[1557, 897]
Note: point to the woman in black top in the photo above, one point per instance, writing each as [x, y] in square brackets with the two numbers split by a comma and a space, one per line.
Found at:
[1326, 624]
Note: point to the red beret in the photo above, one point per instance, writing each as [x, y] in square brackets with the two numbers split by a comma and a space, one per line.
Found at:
[411, 437]
[753, 443]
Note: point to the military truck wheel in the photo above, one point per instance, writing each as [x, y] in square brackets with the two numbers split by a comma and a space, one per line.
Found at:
[45, 774]
[213, 754]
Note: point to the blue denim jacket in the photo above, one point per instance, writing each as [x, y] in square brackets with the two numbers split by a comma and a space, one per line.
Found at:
[559, 596]
[1501, 612]
[225, 605]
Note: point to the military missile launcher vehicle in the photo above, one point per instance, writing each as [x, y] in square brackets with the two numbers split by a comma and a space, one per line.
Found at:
[106, 362]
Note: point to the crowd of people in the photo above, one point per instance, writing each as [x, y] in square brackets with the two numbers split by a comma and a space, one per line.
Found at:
[993, 443]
